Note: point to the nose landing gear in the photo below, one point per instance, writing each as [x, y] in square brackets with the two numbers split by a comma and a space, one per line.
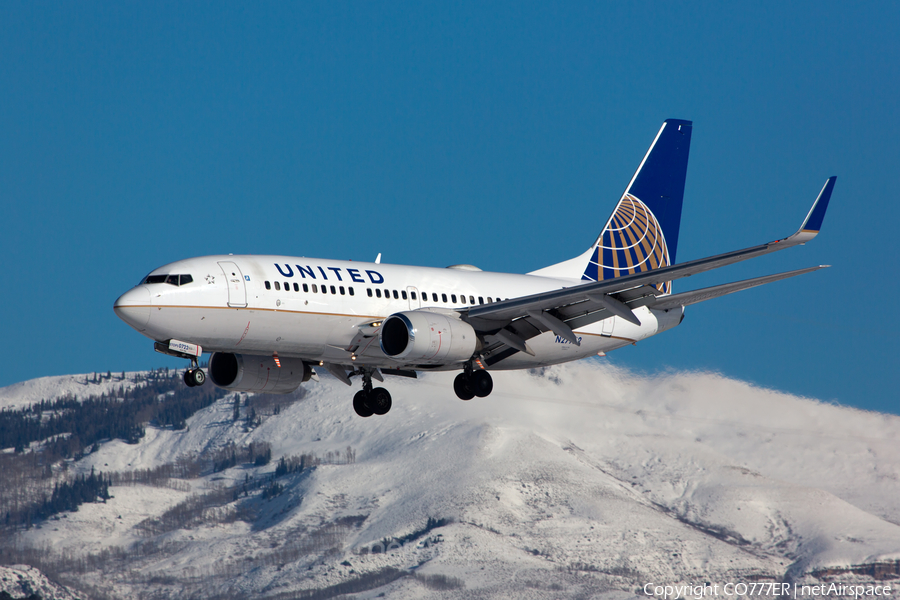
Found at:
[194, 376]
[369, 401]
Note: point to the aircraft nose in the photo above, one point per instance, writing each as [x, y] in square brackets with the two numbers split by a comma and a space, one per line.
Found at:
[133, 307]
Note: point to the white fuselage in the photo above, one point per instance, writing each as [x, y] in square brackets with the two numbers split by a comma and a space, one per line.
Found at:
[260, 305]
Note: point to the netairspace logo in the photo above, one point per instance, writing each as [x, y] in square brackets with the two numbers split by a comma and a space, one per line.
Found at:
[786, 590]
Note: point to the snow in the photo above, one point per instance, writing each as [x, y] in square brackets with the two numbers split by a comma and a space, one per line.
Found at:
[26, 393]
[577, 479]
[21, 581]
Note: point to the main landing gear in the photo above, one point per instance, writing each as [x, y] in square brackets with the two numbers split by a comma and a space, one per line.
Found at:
[369, 401]
[471, 383]
[194, 376]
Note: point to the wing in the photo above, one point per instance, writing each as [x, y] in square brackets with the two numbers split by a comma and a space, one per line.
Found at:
[507, 325]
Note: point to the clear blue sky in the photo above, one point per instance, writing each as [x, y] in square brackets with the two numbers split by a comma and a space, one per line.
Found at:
[497, 134]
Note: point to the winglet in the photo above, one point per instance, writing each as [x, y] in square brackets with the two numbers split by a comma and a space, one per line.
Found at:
[813, 222]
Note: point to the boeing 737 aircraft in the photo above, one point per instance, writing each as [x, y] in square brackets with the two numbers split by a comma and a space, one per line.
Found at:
[270, 320]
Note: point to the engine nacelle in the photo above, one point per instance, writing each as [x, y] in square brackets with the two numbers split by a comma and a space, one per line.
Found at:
[425, 337]
[248, 373]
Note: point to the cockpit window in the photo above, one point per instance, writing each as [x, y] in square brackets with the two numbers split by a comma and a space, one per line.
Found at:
[170, 279]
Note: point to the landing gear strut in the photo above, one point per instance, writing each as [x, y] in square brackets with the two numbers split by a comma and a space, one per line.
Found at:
[194, 376]
[471, 383]
[369, 401]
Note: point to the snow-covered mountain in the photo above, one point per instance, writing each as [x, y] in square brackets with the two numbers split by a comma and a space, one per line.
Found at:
[583, 479]
[26, 393]
[23, 581]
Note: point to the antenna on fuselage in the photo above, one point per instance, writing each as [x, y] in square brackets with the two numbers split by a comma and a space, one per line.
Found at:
[378, 259]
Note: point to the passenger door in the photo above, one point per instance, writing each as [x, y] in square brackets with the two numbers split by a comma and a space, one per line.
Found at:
[237, 289]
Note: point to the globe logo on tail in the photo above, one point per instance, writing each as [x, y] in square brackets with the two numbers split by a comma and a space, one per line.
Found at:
[633, 242]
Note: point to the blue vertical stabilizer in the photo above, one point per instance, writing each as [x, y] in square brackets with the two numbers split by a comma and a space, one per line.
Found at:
[642, 233]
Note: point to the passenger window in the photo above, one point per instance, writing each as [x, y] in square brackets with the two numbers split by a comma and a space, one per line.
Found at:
[324, 289]
[453, 297]
[305, 287]
[186, 279]
[315, 289]
[287, 286]
[444, 297]
[413, 295]
[296, 287]
[268, 286]
[434, 297]
[277, 287]
[396, 297]
[480, 300]
[378, 292]
[489, 300]
[350, 290]
[471, 299]
[403, 294]
[172, 279]
[342, 290]
[369, 292]
[462, 298]
[332, 290]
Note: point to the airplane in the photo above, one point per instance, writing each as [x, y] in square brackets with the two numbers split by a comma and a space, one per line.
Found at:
[269, 321]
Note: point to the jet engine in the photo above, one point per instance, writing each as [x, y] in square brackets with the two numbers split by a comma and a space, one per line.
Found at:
[248, 373]
[425, 337]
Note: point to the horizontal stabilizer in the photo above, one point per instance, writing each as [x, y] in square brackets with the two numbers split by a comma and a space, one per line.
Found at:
[695, 296]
